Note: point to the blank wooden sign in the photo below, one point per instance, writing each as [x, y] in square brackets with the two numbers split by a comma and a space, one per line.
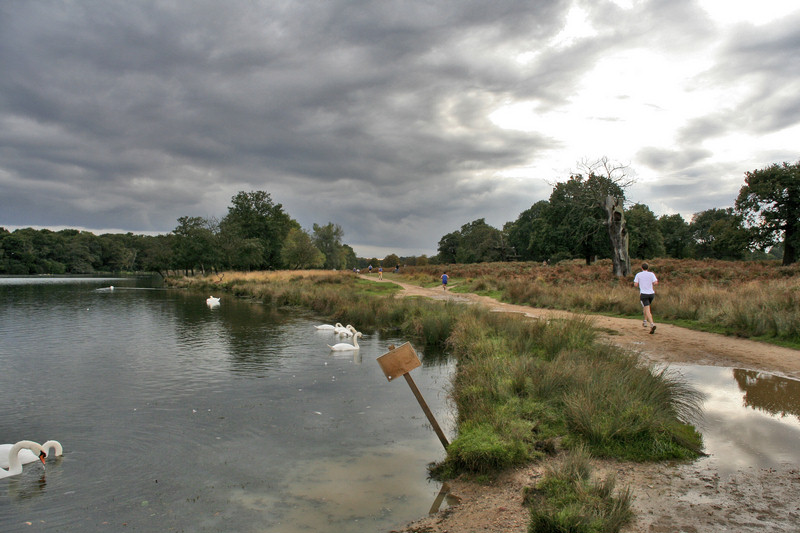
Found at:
[399, 361]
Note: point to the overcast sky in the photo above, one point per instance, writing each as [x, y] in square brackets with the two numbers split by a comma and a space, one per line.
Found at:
[398, 120]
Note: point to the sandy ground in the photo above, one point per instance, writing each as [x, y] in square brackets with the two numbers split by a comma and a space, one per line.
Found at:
[669, 497]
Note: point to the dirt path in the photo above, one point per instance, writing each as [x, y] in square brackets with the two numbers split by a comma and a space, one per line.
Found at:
[668, 497]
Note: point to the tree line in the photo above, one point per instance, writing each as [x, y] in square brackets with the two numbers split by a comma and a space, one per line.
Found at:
[257, 234]
[572, 223]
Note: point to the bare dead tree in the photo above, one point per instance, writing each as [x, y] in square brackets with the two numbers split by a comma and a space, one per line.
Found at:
[621, 176]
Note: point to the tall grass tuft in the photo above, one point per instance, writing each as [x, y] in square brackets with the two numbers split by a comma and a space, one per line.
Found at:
[569, 500]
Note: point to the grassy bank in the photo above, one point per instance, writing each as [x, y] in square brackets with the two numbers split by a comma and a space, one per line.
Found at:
[753, 299]
[523, 389]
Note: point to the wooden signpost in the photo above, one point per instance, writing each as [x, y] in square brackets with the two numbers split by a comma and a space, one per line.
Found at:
[399, 362]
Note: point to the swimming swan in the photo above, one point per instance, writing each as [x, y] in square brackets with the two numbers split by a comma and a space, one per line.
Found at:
[348, 331]
[10, 454]
[328, 326]
[343, 346]
[212, 302]
[58, 449]
[26, 456]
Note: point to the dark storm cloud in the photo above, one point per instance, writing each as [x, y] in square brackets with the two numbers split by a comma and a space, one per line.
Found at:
[371, 115]
[159, 110]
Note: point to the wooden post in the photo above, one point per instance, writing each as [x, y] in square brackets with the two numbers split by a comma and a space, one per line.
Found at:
[399, 362]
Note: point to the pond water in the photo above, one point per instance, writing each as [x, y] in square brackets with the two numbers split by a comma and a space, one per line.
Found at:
[178, 417]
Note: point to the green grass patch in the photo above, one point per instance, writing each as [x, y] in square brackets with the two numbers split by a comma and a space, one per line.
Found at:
[569, 500]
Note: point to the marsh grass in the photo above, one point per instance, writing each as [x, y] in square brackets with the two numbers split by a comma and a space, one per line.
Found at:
[755, 299]
[569, 499]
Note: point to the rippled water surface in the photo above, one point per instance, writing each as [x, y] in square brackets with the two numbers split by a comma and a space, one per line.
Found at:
[177, 417]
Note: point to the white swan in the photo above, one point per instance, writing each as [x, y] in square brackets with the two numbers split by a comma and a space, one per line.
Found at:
[57, 448]
[26, 456]
[345, 330]
[343, 346]
[348, 331]
[329, 327]
[212, 302]
[14, 459]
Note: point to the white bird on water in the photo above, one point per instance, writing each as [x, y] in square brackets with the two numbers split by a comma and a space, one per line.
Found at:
[26, 455]
[212, 302]
[347, 331]
[13, 460]
[344, 346]
[328, 326]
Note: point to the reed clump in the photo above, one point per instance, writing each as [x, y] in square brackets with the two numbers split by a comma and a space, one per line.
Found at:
[570, 499]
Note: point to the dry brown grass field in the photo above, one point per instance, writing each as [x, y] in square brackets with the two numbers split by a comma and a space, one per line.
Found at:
[753, 299]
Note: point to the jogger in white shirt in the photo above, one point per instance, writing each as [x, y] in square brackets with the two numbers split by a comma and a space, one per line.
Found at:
[646, 281]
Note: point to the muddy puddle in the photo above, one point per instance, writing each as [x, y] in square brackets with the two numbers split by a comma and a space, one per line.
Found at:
[750, 419]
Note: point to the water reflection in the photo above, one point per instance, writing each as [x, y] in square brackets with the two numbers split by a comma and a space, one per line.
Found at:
[745, 423]
[769, 393]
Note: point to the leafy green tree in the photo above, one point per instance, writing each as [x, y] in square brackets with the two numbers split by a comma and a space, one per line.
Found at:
[677, 234]
[390, 261]
[328, 239]
[116, 252]
[253, 215]
[195, 245]
[480, 242]
[531, 236]
[19, 254]
[719, 234]
[578, 217]
[299, 251]
[349, 255]
[644, 234]
[769, 201]
[156, 253]
[448, 247]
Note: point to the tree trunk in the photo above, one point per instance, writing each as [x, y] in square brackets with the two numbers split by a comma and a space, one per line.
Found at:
[618, 233]
[789, 251]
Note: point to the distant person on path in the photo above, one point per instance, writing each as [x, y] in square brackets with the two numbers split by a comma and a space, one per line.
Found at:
[380, 272]
[646, 281]
[370, 269]
[444, 280]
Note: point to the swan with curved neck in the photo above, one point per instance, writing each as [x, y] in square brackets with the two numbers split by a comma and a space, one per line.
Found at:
[211, 301]
[347, 331]
[14, 460]
[57, 448]
[343, 346]
[329, 326]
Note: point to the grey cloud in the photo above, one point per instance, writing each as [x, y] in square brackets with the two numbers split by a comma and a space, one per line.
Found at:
[666, 160]
[372, 115]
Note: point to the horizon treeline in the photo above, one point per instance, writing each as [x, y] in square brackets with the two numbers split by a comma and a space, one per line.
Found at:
[572, 224]
[257, 234]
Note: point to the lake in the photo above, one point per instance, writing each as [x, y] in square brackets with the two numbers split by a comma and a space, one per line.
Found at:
[178, 417]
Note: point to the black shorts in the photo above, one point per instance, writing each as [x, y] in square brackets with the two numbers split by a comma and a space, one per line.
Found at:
[647, 299]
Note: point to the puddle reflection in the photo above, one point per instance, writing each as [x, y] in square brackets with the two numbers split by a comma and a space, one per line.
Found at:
[751, 419]
[772, 394]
